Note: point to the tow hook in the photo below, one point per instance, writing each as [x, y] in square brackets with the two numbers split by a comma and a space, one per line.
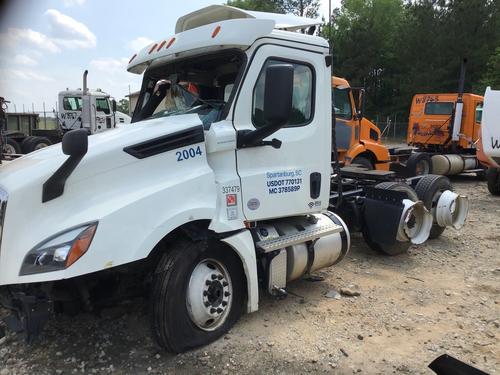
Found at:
[29, 315]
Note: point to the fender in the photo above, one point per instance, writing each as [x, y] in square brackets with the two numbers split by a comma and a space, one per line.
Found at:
[242, 243]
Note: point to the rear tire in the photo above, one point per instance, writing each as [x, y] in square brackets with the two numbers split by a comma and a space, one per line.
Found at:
[493, 178]
[397, 247]
[190, 304]
[11, 147]
[364, 161]
[419, 163]
[429, 189]
[33, 143]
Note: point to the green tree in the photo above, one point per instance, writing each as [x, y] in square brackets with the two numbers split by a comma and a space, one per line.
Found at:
[273, 6]
[492, 75]
[123, 105]
[304, 8]
[363, 35]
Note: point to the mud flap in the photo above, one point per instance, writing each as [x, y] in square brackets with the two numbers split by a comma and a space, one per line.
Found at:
[30, 314]
[382, 210]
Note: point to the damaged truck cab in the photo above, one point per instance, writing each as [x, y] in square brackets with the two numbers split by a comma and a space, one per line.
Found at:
[201, 206]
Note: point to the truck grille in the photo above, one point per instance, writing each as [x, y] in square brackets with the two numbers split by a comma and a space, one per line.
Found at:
[3, 207]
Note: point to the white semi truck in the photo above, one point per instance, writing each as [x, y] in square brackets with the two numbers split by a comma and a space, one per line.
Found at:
[93, 110]
[489, 154]
[202, 207]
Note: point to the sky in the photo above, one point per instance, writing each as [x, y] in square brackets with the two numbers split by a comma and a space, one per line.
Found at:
[45, 45]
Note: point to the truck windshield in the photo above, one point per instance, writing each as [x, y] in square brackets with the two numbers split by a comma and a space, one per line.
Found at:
[201, 85]
[72, 103]
[342, 103]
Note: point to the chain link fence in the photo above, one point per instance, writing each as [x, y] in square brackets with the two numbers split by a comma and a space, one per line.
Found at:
[394, 129]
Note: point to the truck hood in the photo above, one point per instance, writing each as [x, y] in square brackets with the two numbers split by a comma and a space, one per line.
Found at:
[105, 152]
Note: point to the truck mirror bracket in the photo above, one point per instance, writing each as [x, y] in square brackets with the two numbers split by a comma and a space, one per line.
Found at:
[74, 144]
[54, 186]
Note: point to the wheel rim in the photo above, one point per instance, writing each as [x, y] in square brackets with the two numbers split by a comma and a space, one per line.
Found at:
[40, 146]
[209, 295]
[8, 149]
[422, 167]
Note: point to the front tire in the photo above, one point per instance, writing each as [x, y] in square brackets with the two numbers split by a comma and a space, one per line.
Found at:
[198, 294]
[493, 178]
[419, 163]
[11, 147]
[363, 161]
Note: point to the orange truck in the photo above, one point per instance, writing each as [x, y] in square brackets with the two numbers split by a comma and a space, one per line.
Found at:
[358, 139]
[443, 132]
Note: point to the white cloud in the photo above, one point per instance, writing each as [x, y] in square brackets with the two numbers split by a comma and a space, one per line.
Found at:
[139, 43]
[25, 74]
[70, 3]
[110, 64]
[24, 60]
[27, 37]
[68, 32]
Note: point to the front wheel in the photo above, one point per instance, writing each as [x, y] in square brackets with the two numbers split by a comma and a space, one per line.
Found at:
[198, 295]
[11, 147]
[419, 163]
[493, 178]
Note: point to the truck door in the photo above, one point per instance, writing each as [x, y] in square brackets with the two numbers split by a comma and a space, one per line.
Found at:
[295, 178]
[103, 113]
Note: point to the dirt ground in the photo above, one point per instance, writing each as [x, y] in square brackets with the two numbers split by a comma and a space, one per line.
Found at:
[442, 297]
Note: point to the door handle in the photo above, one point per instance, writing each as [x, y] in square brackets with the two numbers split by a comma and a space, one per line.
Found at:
[315, 184]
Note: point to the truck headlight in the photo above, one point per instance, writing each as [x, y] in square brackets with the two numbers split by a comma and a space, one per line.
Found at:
[60, 251]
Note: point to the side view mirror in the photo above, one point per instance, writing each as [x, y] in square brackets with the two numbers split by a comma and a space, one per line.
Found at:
[278, 95]
[75, 142]
[113, 103]
[360, 102]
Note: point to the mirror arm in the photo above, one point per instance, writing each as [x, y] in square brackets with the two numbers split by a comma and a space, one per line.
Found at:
[253, 138]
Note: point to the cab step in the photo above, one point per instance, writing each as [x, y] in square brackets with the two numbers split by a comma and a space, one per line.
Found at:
[281, 242]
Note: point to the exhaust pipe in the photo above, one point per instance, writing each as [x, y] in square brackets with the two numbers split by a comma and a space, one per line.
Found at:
[85, 73]
[452, 209]
[415, 223]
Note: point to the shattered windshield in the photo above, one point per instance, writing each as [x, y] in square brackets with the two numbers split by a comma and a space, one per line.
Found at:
[201, 86]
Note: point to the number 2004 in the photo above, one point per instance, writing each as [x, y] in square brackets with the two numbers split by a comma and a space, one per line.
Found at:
[188, 153]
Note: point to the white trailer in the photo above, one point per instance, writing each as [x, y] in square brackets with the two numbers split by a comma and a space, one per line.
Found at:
[226, 194]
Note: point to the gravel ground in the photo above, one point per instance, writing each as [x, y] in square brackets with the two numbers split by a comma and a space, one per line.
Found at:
[442, 297]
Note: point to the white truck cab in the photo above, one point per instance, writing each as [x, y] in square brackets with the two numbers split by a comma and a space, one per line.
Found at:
[489, 153]
[225, 193]
[102, 111]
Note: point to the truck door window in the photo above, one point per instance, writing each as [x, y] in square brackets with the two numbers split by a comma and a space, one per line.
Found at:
[342, 103]
[72, 103]
[479, 112]
[102, 105]
[438, 108]
[303, 95]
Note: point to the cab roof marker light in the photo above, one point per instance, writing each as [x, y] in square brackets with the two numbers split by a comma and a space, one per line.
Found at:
[216, 31]
[170, 42]
[160, 46]
[132, 58]
[152, 48]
